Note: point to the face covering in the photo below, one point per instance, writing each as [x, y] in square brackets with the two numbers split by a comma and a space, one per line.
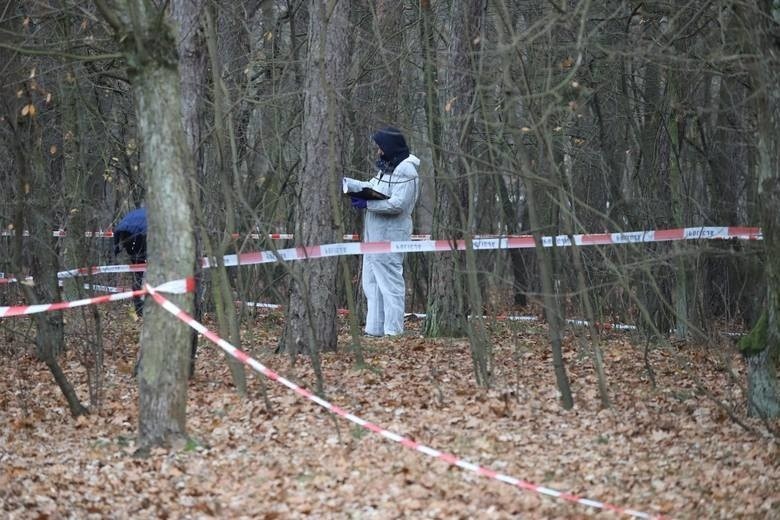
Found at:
[393, 146]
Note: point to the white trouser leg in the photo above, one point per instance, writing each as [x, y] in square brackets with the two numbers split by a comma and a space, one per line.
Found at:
[375, 315]
[388, 273]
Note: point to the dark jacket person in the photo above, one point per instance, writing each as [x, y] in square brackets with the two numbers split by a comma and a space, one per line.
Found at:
[130, 235]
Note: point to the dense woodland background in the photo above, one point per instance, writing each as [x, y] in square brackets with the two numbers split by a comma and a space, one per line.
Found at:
[540, 117]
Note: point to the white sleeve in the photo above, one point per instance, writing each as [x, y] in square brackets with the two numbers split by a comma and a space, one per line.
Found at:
[402, 197]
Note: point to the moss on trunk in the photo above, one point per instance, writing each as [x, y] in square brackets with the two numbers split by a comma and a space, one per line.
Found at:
[755, 341]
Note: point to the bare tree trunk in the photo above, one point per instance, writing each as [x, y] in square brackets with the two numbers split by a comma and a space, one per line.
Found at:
[510, 189]
[420, 265]
[388, 32]
[430, 72]
[34, 210]
[762, 381]
[77, 249]
[165, 342]
[552, 307]
[229, 182]
[569, 200]
[728, 164]
[675, 125]
[469, 15]
[446, 313]
[764, 353]
[311, 313]
[187, 16]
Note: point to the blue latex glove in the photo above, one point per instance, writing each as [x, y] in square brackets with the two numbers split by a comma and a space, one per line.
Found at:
[358, 203]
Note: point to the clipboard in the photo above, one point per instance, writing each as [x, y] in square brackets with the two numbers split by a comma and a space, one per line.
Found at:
[367, 194]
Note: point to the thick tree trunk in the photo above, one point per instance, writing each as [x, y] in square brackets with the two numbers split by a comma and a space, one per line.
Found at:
[165, 342]
[388, 37]
[764, 363]
[311, 313]
[763, 388]
[446, 313]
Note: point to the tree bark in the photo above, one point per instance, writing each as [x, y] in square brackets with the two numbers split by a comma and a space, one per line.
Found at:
[388, 37]
[150, 48]
[764, 362]
[187, 15]
[446, 313]
[311, 313]
[37, 177]
[165, 341]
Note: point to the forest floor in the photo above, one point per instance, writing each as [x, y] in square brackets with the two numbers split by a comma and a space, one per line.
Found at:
[671, 449]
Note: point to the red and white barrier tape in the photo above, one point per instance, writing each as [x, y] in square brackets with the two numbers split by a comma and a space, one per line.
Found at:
[423, 246]
[102, 269]
[100, 288]
[287, 236]
[4, 280]
[272, 236]
[691, 233]
[276, 306]
[174, 287]
[61, 233]
[105, 288]
[389, 435]
[525, 241]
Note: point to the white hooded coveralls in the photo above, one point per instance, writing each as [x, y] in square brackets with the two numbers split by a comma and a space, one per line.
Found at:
[390, 219]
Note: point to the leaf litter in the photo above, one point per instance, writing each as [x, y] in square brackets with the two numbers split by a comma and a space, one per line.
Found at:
[666, 450]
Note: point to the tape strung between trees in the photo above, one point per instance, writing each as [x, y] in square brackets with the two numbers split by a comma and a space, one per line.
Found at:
[368, 248]
[429, 246]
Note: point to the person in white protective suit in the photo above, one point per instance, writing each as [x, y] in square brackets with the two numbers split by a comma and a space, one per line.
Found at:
[389, 219]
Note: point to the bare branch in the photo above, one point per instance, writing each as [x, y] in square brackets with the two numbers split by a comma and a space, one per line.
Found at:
[109, 16]
[29, 51]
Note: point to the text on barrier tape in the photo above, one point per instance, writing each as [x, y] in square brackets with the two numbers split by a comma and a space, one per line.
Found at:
[425, 246]
[518, 242]
[61, 233]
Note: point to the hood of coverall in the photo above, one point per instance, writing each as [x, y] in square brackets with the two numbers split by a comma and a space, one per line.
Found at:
[393, 145]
